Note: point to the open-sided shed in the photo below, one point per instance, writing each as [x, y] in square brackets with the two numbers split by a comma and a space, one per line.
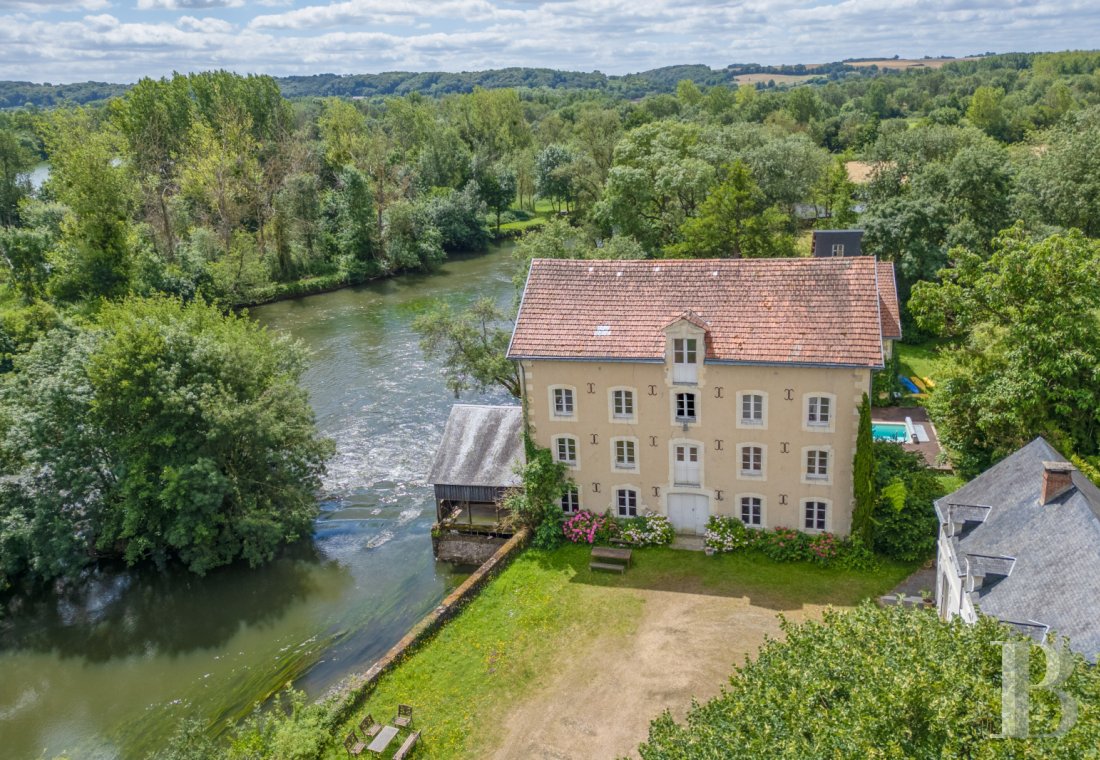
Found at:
[477, 459]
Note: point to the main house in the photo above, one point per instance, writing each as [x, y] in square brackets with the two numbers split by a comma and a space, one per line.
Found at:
[700, 387]
[1021, 543]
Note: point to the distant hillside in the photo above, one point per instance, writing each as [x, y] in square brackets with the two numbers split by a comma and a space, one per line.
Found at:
[435, 83]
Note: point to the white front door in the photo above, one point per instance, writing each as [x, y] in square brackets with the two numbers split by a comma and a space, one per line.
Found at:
[686, 467]
[688, 512]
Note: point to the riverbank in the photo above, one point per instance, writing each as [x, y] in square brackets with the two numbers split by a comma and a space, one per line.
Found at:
[552, 659]
[111, 672]
[276, 292]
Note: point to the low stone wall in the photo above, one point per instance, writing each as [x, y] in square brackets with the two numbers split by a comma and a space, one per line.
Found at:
[466, 549]
[350, 693]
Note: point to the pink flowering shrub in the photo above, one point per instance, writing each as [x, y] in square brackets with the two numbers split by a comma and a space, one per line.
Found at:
[589, 528]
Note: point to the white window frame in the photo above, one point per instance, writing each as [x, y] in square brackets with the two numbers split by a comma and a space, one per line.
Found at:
[824, 521]
[630, 443]
[575, 463]
[575, 506]
[763, 509]
[619, 492]
[814, 478]
[685, 354]
[816, 426]
[676, 418]
[554, 414]
[838, 249]
[700, 450]
[741, 422]
[752, 474]
[615, 415]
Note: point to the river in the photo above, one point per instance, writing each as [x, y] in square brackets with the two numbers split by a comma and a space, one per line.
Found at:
[111, 671]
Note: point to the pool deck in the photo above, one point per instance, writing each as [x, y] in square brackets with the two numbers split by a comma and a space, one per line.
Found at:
[930, 450]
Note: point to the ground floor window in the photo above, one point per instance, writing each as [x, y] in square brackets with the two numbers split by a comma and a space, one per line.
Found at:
[814, 515]
[752, 510]
[626, 500]
[570, 501]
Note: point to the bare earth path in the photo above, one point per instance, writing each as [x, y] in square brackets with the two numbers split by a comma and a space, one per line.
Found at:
[600, 706]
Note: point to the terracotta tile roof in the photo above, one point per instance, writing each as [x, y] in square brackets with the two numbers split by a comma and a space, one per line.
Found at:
[888, 300]
[773, 311]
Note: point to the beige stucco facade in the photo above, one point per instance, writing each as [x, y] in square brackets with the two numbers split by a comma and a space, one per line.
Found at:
[783, 434]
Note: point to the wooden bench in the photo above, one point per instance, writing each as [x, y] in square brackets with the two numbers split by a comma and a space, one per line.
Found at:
[406, 746]
[608, 558]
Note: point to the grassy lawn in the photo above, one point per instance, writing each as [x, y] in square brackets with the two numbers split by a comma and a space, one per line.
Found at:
[548, 606]
[918, 359]
[544, 211]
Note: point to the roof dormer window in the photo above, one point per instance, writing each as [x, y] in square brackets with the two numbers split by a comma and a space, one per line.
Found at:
[685, 360]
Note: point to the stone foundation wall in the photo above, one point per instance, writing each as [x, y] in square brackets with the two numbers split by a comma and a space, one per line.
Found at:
[466, 549]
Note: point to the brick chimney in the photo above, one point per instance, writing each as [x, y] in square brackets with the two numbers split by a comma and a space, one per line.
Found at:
[1056, 480]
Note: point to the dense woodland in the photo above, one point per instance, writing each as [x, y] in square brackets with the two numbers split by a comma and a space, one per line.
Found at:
[184, 197]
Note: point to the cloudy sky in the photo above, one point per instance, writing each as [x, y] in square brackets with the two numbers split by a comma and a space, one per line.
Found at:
[122, 40]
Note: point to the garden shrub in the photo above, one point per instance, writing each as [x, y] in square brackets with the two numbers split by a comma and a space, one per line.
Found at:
[650, 529]
[589, 528]
[905, 519]
[724, 534]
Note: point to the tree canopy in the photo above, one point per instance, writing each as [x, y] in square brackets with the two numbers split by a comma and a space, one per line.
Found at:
[195, 443]
[883, 682]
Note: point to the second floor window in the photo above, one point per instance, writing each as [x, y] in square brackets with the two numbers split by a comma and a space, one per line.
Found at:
[626, 502]
[752, 409]
[567, 450]
[622, 404]
[570, 500]
[838, 249]
[819, 411]
[817, 464]
[624, 454]
[685, 407]
[563, 402]
[752, 460]
[752, 510]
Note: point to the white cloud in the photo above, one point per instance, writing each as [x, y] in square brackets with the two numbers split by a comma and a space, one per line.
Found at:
[45, 6]
[205, 25]
[187, 5]
[615, 36]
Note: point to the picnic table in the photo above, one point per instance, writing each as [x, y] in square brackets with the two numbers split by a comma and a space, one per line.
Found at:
[609, 558]
[385, 736]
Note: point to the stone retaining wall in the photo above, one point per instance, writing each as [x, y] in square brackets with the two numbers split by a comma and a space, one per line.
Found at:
[350, 693]
[466, 549]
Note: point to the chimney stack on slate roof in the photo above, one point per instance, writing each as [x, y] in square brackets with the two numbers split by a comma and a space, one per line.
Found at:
[1057, 479]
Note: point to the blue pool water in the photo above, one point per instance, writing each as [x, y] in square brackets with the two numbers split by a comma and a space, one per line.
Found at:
[889, 431]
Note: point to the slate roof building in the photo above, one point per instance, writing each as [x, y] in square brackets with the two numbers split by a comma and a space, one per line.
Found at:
[705, 386]
[477, 459]
[1021, 543]
[837, 243]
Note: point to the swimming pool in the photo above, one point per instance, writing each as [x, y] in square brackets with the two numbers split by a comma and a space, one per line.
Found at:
[889, 431]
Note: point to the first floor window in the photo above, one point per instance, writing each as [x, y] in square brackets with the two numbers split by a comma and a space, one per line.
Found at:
[567, 450]
[622, 404]
[626, 500]
[752, 409]
[815, 515]
[752, 510]
[570, 500]
[685, 407]
[752, 460]
[624, 454]
[819, 410]
[817, 464]
[563, 402]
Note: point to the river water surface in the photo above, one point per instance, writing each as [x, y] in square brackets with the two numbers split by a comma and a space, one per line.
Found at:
[111, 671]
